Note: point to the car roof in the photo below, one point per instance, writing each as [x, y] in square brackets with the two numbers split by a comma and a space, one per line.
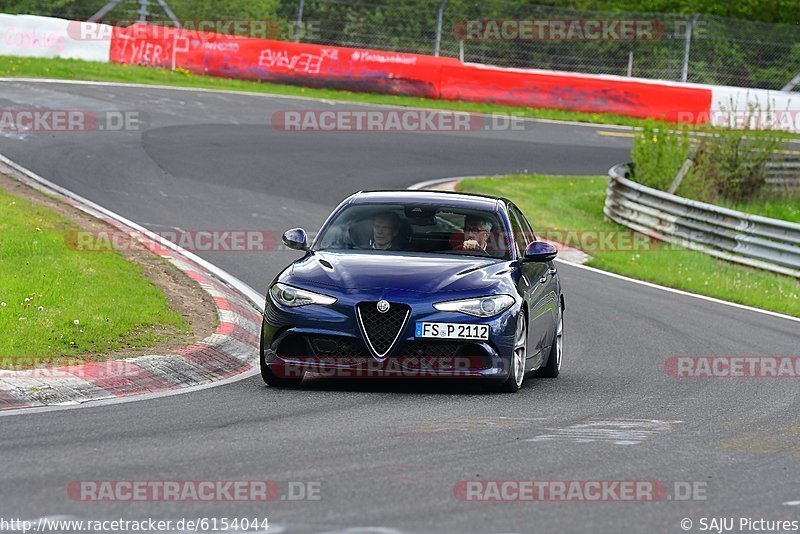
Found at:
[441, 198]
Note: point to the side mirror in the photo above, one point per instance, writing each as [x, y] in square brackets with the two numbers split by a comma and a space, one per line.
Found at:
[296, 238]
[540, 252]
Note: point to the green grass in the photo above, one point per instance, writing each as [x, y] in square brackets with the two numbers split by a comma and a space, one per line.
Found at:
[73, 69]
[785, 208]
[558, 204]
[57, 304]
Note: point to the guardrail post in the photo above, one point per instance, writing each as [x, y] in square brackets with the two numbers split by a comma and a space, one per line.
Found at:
[684, 170]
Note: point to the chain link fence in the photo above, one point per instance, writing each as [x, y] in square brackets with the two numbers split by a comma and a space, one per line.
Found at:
[508, 33]
[699, 49]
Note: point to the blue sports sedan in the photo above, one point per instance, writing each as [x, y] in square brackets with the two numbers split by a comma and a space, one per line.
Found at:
[416, 284]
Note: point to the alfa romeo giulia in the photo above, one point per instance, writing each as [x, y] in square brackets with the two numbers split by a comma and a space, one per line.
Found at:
[416, 284]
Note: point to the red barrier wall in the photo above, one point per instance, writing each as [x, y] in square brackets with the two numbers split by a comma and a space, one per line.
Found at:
[398, 73]
[279, 61]
[578, 93]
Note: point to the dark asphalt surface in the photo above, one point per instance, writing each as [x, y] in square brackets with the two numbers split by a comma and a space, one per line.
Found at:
[388, 456]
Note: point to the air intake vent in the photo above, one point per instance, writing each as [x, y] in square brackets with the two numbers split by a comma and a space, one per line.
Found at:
[381, 330]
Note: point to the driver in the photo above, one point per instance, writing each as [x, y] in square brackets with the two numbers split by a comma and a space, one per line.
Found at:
[385, 227]
[476, 233]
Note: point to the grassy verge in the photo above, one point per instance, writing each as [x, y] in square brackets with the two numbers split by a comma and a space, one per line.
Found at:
[559, 204]
[57, 303]
[73, 69]
[787, 209]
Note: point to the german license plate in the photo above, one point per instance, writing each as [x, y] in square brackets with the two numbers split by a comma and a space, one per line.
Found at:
[453, 331]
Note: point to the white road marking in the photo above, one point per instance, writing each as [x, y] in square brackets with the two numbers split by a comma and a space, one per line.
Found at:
[618, 432]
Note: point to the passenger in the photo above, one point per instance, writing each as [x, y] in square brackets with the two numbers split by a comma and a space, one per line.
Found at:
[476, 234]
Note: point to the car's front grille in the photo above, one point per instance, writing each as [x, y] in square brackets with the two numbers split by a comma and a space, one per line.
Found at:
[445, 355]
[338, 347]
[431, 349]
[381, 330]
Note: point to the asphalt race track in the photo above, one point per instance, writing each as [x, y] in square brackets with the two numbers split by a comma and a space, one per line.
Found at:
[388, 457]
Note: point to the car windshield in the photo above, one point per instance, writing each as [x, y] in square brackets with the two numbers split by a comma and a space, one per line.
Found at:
[416, 228]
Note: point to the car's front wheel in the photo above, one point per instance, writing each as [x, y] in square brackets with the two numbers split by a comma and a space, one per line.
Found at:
[518, 358]
[269, 376]
[553, 366]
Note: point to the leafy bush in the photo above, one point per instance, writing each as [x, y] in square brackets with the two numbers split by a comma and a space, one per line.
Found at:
[658, 154]
[733, 165]
[730, 164]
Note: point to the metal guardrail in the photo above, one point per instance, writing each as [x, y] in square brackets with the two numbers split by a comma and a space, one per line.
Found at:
[783, 170]
[752, 240]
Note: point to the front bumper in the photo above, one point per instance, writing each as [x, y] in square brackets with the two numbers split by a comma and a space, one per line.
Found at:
[327, 341]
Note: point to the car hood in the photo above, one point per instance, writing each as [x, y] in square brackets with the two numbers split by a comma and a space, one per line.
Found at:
[421, 273]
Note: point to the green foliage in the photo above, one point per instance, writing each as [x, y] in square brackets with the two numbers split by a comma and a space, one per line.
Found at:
[730, 164]
[658, 154]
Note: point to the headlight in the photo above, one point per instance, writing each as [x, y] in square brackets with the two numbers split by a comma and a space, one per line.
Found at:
[292, 296]
[480, 307]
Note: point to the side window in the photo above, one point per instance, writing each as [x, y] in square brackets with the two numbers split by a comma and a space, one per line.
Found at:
[530, 235]
[520, 242]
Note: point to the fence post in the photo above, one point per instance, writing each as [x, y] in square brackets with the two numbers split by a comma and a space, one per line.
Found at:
[439, 16]
[143, 4]
[792, 83]
[170, 14]
[299, 22]
[630, 63]
[103, 11]
[461, 50]
[687, 45]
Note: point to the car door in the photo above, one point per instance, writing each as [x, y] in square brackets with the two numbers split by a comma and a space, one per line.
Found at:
[534, 286]
[552, 289]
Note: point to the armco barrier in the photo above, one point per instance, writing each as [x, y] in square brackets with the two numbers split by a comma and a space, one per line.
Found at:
[783, 171]
[749, 239]
[31, 36]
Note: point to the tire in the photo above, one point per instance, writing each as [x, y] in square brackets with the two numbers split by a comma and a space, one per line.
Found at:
[553, 367]
[518, 358]
[269, 377]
